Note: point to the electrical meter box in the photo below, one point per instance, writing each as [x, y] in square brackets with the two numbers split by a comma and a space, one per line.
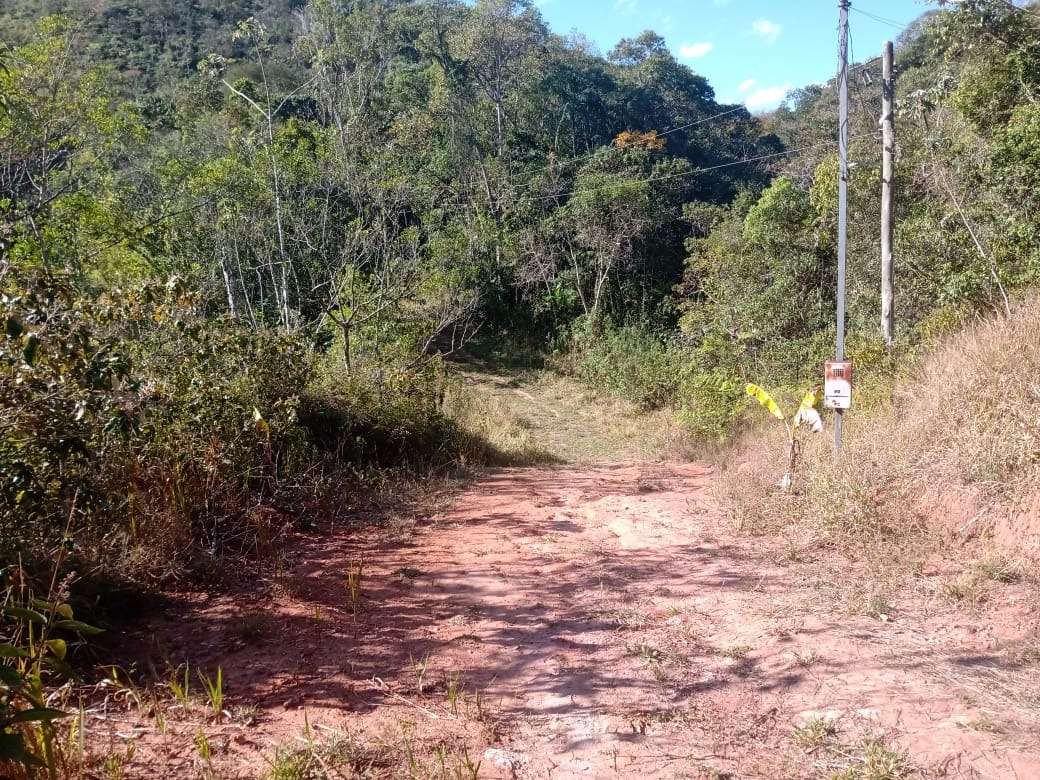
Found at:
[837, 384]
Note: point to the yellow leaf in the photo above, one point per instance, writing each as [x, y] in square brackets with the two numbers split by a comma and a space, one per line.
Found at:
[812, 399]
[260, 424]
[766, 400]
[58, 647]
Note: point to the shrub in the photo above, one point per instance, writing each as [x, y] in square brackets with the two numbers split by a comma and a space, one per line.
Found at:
[628, 362]
[136, 427]
[389, 419]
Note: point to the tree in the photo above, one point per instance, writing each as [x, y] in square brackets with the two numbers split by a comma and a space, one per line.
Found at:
[253, 33]
[61, 131]
[612, 210]
[496, 43]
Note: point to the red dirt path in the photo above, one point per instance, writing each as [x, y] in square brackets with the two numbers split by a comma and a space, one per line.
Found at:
[600, 621]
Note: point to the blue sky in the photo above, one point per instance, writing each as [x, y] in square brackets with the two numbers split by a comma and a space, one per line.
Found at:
[751, 51]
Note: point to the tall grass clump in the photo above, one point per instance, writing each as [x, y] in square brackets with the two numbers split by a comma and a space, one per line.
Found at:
[700, 382]
[498, 434]
[974, 420]
[629, 362]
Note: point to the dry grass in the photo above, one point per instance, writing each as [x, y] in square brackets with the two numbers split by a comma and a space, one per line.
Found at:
[848, 505]
[542, 417]
[1001, 569]
[970, 421]
[978, 422]
[490, 419]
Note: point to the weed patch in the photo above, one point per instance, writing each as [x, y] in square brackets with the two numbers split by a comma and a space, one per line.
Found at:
[310, 757]
[1000, 570]
[816, 733]
[967, 590]
[868, 758]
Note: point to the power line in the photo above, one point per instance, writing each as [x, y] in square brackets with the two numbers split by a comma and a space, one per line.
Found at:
[709, 169]
[588, 155]
[865, 63]
[851, 54]
[702, 121]
[879, 19]
[471, 195]
[516, 191]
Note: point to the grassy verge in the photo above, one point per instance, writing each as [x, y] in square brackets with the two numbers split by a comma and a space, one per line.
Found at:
[966, 421]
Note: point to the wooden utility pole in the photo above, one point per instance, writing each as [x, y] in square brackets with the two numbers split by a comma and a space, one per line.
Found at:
[888, 133]
[843, 182]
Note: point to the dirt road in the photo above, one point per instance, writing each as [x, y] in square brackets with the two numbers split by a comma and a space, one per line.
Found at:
[593, 620]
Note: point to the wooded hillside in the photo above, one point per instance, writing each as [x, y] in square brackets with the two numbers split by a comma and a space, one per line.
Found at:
[370, 184]
[236, 238]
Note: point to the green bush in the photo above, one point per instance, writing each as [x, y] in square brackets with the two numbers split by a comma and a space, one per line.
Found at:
[388, 419]
[702, 381]
[137, 428]
[628, 362]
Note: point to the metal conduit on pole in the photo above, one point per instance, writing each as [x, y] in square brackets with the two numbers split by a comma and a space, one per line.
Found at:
[888, 89]
[843, 180]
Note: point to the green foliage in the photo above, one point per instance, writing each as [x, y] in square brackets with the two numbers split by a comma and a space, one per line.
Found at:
[711, 404]
[700, 382]
[61, 130]
[387, 419]
[379, 184]
[59, 392]
[155, 43]
[378, 424]
[387, 194]
[214, 689]
[760, 277]
[36, 638]
[134, 426]
[628, 362]
[757, 299]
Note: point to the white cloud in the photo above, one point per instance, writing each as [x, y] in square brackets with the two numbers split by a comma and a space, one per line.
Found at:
[767, 97]
[766, 30]
[692, 51]
[628, 6]
[746, 85]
